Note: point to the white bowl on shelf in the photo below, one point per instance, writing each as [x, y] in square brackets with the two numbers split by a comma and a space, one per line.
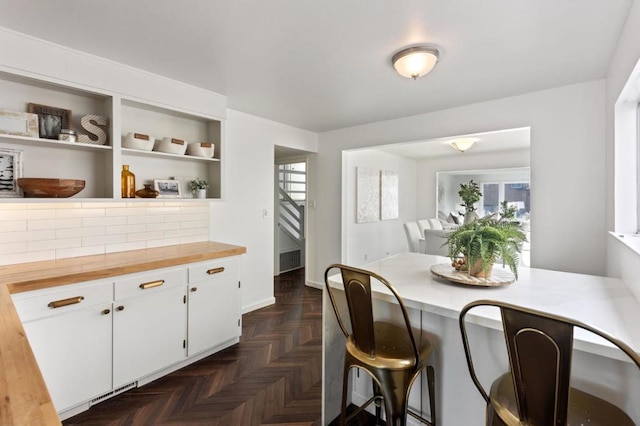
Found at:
[201, 149]
[138, 141]
[171, 146]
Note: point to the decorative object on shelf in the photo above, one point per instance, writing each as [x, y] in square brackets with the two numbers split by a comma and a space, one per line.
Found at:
[138, 141]
[127, 182]
[414, 62]
[201, 149]
[50, 188]
[51, 120]
[167, 188]
[199, 188]
[367, 195]
[67, 135]
[463, 144]
[18, 123]
[484, 241]
[470, 194]
[94, 125]
[171, 146]
[10, 172]
[147, 191]
[499, 277]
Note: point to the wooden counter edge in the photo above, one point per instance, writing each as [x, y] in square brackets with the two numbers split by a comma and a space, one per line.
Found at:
[24, 398]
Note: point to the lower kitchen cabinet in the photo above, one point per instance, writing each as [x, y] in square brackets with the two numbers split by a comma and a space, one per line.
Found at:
[94, 339]
[214, 304]
[70, 334]
[149, 324]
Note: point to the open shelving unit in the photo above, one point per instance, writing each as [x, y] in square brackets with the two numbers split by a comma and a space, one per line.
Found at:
[100, 165]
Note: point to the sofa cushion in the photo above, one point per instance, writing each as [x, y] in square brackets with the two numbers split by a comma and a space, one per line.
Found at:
[454, 218]
[435, 224]
[423, 224]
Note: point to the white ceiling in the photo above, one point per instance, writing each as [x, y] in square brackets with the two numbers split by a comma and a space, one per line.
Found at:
[503, 140]
[323, 65]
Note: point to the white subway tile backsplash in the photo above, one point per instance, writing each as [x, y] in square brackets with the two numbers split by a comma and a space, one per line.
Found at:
[12, 237]
[13, 226]
[43, 230]
[79, 213]
[53, 244]
[80, 251]
[89, 231]
[14, 247]
[104, 221]
[104, 240]
[137, 245]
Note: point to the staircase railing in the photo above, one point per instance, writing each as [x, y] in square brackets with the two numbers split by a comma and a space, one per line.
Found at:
[291, 217]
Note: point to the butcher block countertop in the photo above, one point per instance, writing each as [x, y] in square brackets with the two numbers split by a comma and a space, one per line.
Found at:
[24, 399]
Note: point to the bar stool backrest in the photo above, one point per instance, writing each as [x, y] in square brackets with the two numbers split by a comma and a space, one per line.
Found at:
[357, 290]
[539, 346]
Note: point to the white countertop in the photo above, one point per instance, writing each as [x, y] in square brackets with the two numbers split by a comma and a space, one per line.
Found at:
[605, 303]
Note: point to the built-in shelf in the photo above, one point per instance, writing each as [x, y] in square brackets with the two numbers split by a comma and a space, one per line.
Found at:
[138, 152]
[53, 143]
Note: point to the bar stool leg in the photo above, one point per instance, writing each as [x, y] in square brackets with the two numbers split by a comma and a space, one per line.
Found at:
[345, 387]
[431, 384]
[377, 392]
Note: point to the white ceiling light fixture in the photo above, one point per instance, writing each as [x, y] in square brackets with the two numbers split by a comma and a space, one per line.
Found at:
[414, 62]
[463, 144]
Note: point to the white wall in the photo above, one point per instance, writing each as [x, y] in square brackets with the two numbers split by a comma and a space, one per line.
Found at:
[567, 151]
[366, 242]
[621, 260]
[249, 186]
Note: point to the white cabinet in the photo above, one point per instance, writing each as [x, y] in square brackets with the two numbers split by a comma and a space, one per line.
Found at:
[100, 165]
[149, 323]
[69, 330]
[214, 304]
[92, 339]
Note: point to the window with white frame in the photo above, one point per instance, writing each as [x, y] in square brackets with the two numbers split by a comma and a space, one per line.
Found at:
[516, 194]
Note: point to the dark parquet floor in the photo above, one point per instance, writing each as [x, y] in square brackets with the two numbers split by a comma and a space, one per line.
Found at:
[272, 377]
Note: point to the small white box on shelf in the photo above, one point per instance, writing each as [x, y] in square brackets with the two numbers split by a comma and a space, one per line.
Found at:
[138, 141]
[171, 146]
[201, 149]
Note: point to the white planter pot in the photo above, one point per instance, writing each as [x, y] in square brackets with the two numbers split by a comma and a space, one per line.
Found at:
[201, 193]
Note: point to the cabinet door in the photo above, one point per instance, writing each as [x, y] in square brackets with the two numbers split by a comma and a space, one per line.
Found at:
[149, 334]
[73, 350]
[213, 312]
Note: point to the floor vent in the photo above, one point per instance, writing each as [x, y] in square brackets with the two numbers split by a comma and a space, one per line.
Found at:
[290, 260]
[114, 392]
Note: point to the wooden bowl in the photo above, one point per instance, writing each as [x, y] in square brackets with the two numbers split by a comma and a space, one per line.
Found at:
[50, 188]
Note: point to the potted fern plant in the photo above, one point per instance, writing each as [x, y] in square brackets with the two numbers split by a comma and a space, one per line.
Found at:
[482, 242]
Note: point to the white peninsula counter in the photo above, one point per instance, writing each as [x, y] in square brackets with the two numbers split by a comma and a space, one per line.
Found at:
[435, 304]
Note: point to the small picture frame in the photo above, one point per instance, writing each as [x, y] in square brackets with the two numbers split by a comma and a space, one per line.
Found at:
[167, 188]
[51, 120]
[18, 123]
[10, 172]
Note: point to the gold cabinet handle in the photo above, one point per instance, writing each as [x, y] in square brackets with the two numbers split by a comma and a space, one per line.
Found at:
[194, 288]
[215, 270]
[120, 308]
[151, 284]
[106, 312]
[65, 302]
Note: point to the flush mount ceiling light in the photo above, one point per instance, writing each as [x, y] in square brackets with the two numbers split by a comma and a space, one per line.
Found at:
[463, 144]
[414, 62]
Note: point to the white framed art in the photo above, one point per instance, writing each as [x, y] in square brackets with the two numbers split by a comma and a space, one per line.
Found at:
[388, 195]
[10, 172]
[18, 123]
[167, 188]
[367, 195]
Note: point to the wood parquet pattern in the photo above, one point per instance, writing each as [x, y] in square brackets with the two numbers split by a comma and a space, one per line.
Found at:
[272, 377]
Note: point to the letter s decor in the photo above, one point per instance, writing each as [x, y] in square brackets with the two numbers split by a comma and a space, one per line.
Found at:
[90, 123]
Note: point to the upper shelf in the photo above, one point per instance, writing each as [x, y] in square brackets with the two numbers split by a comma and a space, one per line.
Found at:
[53, 143]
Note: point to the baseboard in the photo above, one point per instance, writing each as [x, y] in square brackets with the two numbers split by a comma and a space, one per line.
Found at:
[258, 305]
[314, 284]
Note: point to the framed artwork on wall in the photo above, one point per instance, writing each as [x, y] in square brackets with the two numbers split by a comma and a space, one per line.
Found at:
[18, 123]
[10, 171]
[367, 195]
[388, 195]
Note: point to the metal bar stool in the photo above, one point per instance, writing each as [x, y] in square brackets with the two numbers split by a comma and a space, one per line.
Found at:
[536, 391]
[388, 352]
